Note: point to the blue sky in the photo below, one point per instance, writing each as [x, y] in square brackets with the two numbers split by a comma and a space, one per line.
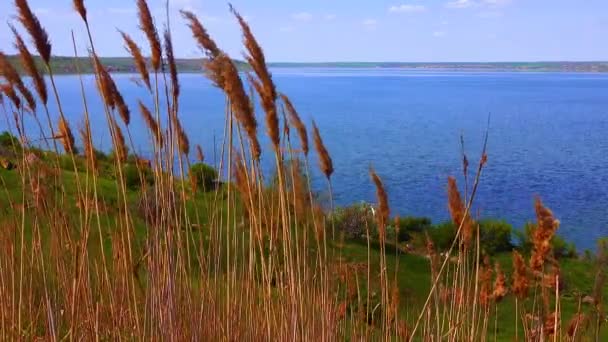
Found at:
[352, 30]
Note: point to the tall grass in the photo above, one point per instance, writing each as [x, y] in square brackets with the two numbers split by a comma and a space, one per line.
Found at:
[254, 258]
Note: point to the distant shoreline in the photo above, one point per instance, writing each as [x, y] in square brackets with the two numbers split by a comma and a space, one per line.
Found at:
[67, 65]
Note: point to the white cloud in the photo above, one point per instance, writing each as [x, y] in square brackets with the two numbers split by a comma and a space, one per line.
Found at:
[439, 34]
[302, 16]
[476, 3]
[370, 24]
[407, 8]
[460, 4]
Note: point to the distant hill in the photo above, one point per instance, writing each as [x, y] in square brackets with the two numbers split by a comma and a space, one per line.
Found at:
[66, 65]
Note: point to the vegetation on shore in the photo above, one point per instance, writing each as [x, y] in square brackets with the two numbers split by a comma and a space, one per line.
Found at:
[111, 247]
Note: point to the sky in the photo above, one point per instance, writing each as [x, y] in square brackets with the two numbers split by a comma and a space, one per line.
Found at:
[349, 30]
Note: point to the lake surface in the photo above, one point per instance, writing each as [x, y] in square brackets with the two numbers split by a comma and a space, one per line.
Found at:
[548, 136]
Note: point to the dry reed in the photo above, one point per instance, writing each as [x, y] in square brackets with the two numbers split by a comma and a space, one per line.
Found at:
[65, 135]
[459, 213]
[325, 162]
[296, 122]
[175, 89]
[34, 28]
[138, 58]
[146, 24]
[153, 126]
[27, 60]
[543, 233]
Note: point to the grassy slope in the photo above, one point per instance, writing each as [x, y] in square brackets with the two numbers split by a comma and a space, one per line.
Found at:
[413, 275]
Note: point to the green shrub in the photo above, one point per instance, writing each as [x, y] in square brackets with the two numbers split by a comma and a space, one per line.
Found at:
[353, 221]
[8, 141]
[443, 235]
[132, 177]
[410, 224]
[204, 175]
[66, 163]
[495, 236]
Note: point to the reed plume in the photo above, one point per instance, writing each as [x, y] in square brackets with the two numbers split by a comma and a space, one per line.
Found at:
[8, 71]
[325, 162]
[29, 65]
[151, 123]
[183, 143]
[87, 142]
[104, 83]
[459, 213]
[520, 276]
[138, 58]
[81, 9]
[65, 135]
[146, 24]
[9, 92]
[543, 233]
[200, 156]
[172, 65]
[383, 208]
[263, 84]
[485, 281]
[123, 109]
[205, 42]
[34, 28]
[500, 285]
[294, 117]
[120, 148]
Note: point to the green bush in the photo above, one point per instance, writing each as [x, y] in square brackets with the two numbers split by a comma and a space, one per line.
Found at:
[204, 175]
[7, 141]
[132, 177]
[353, 221]
[495, 236]
[66, 163]
[411, 224]
[443, 235]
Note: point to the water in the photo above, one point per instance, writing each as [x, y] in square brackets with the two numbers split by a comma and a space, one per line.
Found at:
[547, 136]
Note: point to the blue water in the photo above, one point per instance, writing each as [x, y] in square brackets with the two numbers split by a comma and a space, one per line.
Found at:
[547, 137]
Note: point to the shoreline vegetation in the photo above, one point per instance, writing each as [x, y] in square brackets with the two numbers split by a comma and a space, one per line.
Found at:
[63, 65]
[98, 246]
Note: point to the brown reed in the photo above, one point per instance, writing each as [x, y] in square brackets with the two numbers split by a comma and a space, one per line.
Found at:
[34, 28]
[172, 65]
[81, 9]
[138, 58]
[146, 24]
[65, 135]
[121, 106]
[151, 123]
[8, 71]
[104, 83]
[263, 84]
[459, 213]
[87, 142]
[29, 65]
[9, 92]
[543, 233]
[520, 276]
[205, 42]
[383, 213]
[200, 156]
[183, 143]
[500, 284]
[325, 162]
[295, 120]
[120, 147]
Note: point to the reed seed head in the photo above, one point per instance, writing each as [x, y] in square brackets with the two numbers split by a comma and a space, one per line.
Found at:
[459, 213]
[183, 143]
[172, 66]
[383, 208]
[81, 9]
[500, 285]
[200, 156]
[325, 161]
[520, 276]
[151, 123]
[34, 28]
[29, 65]
[87, 142]
[146, 24]
[543, 234]
[65, 135]
[140, 62]
[10, 93]
[296, 122]
[120, 148]
[200, 34]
